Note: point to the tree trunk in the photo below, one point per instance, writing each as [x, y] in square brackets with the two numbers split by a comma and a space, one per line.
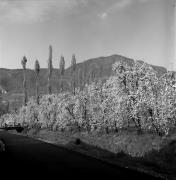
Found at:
[25, 89]
[116, 129]
[49, 86]
[107, 130]
[37, 89]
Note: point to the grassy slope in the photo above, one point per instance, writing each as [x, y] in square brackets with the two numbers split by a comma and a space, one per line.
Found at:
[147, 152]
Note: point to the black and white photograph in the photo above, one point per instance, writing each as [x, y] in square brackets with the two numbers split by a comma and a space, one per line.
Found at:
[88, 89]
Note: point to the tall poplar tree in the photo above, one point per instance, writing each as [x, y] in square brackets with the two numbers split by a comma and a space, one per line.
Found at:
[61, 71]
[50, 70]
[23, 63]
[37, 70]
[73, 70]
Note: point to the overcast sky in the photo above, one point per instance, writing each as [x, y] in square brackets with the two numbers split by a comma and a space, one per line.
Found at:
[139, 29]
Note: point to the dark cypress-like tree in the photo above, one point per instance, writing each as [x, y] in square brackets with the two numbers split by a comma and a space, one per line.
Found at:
[23, 63]
[73, 70]
[37, 70]
[50, 70]
[61, 71]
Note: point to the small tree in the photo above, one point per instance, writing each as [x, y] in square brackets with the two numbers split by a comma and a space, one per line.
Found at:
[50, 70]
[37, 70]
[62, 70]
[73, 69]
[23, 62]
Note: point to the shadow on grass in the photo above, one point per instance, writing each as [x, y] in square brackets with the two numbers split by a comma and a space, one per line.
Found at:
[163, 160]
[157, 163]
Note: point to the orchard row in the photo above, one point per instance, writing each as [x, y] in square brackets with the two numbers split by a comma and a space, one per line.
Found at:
[132, 97]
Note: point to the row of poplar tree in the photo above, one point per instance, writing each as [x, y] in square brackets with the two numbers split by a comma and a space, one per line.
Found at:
[50, 71]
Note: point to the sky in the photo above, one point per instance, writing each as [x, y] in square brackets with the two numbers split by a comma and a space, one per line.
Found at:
[138, 29]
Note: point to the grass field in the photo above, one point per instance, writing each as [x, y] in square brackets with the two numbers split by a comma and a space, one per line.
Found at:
[147, 152]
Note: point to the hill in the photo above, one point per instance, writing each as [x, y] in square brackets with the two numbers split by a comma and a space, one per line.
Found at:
[101, 67]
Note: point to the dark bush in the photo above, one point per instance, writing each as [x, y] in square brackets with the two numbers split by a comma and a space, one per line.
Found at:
[77, 141]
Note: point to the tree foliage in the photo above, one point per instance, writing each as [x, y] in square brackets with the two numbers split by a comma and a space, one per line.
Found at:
[73, 77]
[37, 70]
[61, 71]
[132, 97]
[23, 63]
[50, 69]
